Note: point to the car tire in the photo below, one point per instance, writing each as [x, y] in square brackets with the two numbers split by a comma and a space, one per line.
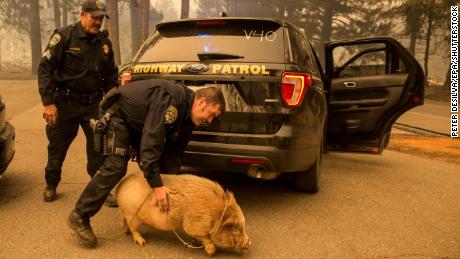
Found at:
[308, 181]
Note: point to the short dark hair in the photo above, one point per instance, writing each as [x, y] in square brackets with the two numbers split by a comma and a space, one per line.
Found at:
[213, 95]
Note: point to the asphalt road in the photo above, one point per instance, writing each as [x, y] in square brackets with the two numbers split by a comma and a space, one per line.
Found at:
[19, 95]
[390, 206]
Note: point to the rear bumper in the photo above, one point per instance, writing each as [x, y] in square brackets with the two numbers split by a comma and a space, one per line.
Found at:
[7, 147]
[293, 148]
[239, 158]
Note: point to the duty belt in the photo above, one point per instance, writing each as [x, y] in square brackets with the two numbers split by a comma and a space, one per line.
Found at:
[83, 98]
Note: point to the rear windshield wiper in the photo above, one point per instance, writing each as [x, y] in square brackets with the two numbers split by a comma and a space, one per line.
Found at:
[217, 56]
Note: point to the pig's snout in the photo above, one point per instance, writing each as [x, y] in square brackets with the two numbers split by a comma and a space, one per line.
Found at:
[247, 245]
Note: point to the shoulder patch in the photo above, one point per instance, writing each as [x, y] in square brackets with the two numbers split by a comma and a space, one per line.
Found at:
[54, 40]
[170, 115]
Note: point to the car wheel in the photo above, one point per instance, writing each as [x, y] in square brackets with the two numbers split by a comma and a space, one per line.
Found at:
[308, 181]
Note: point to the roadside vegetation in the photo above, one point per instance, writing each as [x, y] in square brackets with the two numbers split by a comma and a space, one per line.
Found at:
[440, 148]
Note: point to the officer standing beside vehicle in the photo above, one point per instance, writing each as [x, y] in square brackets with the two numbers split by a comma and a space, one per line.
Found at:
[75, 70]
[155, 118]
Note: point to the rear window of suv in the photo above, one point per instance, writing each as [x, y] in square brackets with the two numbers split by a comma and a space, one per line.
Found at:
[250, 41]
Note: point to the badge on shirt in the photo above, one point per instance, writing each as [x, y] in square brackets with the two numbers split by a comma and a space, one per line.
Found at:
[105, 48]
[99, 4]
[54, 40]
[170, 115]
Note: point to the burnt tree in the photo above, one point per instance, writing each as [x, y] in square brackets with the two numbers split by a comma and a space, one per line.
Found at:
[185, 9]
[57, 14]
[113, 27]
[35, 34]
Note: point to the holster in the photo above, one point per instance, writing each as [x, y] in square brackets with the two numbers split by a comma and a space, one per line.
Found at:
[108, 141]
[103, 140]
[98, 131]
[111, 139]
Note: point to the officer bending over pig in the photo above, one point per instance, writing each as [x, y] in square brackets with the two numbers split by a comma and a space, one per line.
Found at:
[155, 118]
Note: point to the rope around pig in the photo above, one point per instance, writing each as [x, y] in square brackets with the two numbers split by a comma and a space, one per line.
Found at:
[189, 245]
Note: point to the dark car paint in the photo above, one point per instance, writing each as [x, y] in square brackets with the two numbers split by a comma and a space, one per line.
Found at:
[360, 119]
[281, 139]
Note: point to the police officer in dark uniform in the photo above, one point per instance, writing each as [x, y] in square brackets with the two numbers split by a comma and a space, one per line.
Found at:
[75, 69]
[155, 118]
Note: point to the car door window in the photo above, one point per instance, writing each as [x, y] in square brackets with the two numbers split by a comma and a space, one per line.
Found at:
[365, 60]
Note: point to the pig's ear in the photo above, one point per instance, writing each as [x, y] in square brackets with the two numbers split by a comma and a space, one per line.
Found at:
[230, 197]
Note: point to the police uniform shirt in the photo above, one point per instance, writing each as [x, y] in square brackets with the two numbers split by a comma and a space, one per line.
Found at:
[158, 115]
[76, 61]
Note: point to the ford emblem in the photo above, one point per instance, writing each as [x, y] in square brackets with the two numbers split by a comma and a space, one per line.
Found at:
[196, 68]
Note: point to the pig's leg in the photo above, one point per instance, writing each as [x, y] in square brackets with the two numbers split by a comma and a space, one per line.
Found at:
[124, 226]
[133, 226]
[190, 227]
[209, 246]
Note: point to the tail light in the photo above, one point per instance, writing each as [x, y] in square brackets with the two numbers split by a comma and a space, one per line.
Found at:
[293, 88]
[248, 161]
[125, 77]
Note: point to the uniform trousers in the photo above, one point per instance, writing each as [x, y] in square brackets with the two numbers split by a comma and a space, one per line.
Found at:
[61, 135]
[110, 173]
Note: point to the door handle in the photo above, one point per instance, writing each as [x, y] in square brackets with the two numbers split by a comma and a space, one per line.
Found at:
[350, 84]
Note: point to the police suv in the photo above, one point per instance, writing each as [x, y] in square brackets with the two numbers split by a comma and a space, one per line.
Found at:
[282, 109]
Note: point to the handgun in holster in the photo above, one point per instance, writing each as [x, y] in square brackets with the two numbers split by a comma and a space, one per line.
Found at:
[98, 131]
[108, 106]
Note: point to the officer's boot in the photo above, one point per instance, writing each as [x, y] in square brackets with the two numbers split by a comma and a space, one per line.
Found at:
[49, 194]
[82, 229]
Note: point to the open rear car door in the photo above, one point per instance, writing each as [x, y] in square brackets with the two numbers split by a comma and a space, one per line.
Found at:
[370, 83]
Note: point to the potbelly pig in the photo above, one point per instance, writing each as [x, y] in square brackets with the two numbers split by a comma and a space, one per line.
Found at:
[197, 205]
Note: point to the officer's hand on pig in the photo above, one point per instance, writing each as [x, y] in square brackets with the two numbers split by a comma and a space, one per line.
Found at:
[162, 198]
